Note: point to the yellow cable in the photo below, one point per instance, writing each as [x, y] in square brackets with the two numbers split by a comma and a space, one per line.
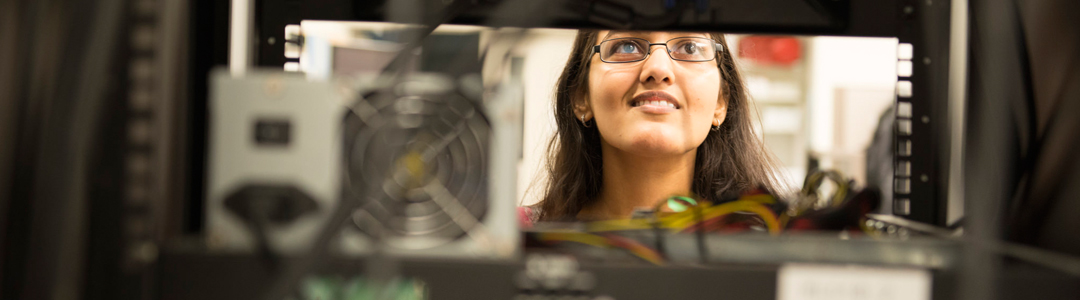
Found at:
[616, 225]
[681, 221]
[867, 230]
[763, 198]
[770, 219]
[711, 212]
[638, 249]
[766, 214]
[583, 238]
[645, 253]
[602, 242]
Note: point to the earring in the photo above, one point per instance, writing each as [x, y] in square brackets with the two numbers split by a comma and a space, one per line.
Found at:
[583, 122]
[717, 127]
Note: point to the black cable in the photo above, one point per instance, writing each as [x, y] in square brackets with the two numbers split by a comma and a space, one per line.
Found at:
[703, 250]
[658, 231]
[258, 225]
[659, 240]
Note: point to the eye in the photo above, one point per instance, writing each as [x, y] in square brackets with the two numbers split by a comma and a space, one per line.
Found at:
[625, 47]
[689, 47]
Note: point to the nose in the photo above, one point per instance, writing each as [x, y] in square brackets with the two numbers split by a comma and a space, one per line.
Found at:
[656, 68]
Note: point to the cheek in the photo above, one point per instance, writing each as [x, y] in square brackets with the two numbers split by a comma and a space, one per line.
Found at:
[608, 86]
[704, 87]
[702, 94]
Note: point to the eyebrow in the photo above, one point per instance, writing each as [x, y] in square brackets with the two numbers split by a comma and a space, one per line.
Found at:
[642, 33]
[632, 33]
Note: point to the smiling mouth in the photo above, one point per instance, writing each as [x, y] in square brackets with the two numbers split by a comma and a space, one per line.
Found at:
[655, 98]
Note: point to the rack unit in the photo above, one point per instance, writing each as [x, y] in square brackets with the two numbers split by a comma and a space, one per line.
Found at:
[922, 26]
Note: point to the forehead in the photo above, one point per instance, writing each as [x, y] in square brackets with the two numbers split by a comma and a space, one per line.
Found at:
[653, 36]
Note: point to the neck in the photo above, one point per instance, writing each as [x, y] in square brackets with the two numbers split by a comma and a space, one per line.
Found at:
[632, 181]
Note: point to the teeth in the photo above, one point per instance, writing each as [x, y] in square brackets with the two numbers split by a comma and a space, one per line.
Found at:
[657, 103]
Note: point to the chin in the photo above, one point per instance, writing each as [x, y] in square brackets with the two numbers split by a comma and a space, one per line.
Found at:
[655, 143]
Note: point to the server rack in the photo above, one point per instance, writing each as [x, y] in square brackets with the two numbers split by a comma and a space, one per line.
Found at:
[158, 263]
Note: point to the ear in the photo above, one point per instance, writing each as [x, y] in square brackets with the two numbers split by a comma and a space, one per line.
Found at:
[721, 110]
[582, 108]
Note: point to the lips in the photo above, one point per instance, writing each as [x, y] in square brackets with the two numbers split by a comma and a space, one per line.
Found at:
[655, 101]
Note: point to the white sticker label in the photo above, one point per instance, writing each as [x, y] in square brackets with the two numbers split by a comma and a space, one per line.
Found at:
[836, 282]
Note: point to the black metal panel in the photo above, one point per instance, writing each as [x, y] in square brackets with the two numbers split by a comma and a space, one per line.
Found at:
[832, 17]
[271, 16]
[924, 25]
[236, 276]
[876, 18]
[208, 47]
[195, 275]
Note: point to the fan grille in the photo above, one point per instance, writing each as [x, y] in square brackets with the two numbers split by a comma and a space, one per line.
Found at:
[416, 155]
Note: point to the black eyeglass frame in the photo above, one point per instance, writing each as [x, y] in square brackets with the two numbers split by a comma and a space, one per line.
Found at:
[719, 49]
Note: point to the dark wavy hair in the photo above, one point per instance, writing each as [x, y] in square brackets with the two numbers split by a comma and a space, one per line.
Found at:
[730, 160]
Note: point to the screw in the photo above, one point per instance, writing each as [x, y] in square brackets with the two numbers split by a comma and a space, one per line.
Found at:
[925, 120]
[908, 10]
[926, 60]
[271, 40]
[924, 178]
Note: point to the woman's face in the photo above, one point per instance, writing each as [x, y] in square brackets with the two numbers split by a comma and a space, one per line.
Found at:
[655, 107]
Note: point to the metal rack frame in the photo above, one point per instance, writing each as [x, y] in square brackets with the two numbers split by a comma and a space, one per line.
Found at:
[934, 170]
[924, 133]
[133, 253]
[930, 186]
[922, 154]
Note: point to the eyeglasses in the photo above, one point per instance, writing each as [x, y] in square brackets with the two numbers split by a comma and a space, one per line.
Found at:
[624, 50]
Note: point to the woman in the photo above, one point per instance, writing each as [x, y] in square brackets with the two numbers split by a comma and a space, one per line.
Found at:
[643, 116]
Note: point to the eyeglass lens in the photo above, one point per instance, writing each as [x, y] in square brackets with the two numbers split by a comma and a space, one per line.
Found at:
[634, 49]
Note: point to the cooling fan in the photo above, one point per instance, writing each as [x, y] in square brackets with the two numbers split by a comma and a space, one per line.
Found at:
[415, 152]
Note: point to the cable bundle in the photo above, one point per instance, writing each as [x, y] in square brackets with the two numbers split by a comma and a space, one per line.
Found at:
[844, 209]
[691, 219]
[605, 241]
